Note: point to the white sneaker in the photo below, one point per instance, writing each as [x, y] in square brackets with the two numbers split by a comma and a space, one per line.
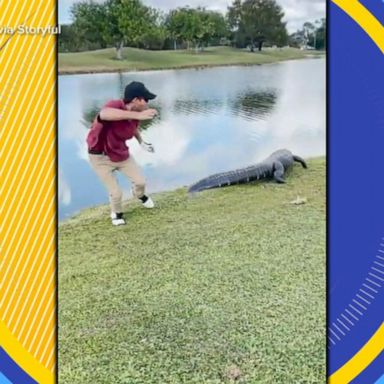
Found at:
[117, 218]
[149, 203]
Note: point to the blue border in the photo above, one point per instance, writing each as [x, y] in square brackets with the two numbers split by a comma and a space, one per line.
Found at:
[12, 372]
[4, 380]
[355, 190]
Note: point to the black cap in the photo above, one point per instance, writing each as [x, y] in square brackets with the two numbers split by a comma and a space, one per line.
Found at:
[137, 89]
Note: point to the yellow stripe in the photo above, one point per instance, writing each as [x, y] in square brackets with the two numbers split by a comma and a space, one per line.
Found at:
[365, 19]
[25, 360]
[361, 360]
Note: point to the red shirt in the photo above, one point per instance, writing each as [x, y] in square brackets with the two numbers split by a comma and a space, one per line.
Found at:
[109, 137]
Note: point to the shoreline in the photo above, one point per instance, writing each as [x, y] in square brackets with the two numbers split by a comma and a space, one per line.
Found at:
[104, 208]
[192, 66]
[95, 70]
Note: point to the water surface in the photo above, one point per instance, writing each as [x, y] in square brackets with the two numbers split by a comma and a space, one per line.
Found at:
[211, 120]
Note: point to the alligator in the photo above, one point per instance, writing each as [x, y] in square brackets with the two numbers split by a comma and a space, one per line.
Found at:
[273, 166]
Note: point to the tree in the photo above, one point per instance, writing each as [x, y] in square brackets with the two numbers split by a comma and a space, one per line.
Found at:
[197, 26]
[321, 34]
[156, 34]
[69, 39]
[174, 23]
[255, 21]
[211, 26]
[311, 34]
[182, 24]
[88, 19]
[114, 22]
[125, 23]
[297, 39]
[308, 28]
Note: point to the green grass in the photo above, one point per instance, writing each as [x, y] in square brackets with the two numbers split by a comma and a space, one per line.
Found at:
[201, 289]
[139, 59]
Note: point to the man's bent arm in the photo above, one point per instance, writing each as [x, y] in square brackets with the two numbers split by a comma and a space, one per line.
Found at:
[115, 114]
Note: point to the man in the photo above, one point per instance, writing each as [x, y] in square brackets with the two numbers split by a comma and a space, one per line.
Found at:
[117, 122]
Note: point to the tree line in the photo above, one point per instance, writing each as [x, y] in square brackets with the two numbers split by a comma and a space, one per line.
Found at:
[120, 23]
[312, 35]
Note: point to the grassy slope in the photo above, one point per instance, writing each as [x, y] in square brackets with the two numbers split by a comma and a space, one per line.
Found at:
[198, 288]
[138, 59]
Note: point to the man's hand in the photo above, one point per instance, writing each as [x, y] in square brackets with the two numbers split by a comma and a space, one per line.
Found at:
[147, 114]
[147, 146]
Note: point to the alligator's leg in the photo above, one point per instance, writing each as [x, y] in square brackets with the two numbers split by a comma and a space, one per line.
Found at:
[279, 172]
[300, 160]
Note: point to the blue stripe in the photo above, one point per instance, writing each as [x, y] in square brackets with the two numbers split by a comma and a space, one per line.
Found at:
[3, 379]
[13, 373]
[381, 380]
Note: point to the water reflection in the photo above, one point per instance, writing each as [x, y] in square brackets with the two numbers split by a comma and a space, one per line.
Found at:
[64, 190]
[210, 121]
[253, 105]
[90, 113]
[192, 106]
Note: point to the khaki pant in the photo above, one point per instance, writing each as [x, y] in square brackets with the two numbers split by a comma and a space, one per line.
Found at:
[104, 168]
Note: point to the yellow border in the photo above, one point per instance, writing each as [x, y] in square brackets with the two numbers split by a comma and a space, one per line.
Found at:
[365, 19]
[361, 360]
[24, 359]
[27, 180]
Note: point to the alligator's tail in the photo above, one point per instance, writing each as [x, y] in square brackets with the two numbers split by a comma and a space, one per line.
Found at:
[238, 176]
[300, 160]
[214, 181]
[199, 186]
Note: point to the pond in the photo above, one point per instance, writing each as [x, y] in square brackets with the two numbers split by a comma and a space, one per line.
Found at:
[210, 120]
